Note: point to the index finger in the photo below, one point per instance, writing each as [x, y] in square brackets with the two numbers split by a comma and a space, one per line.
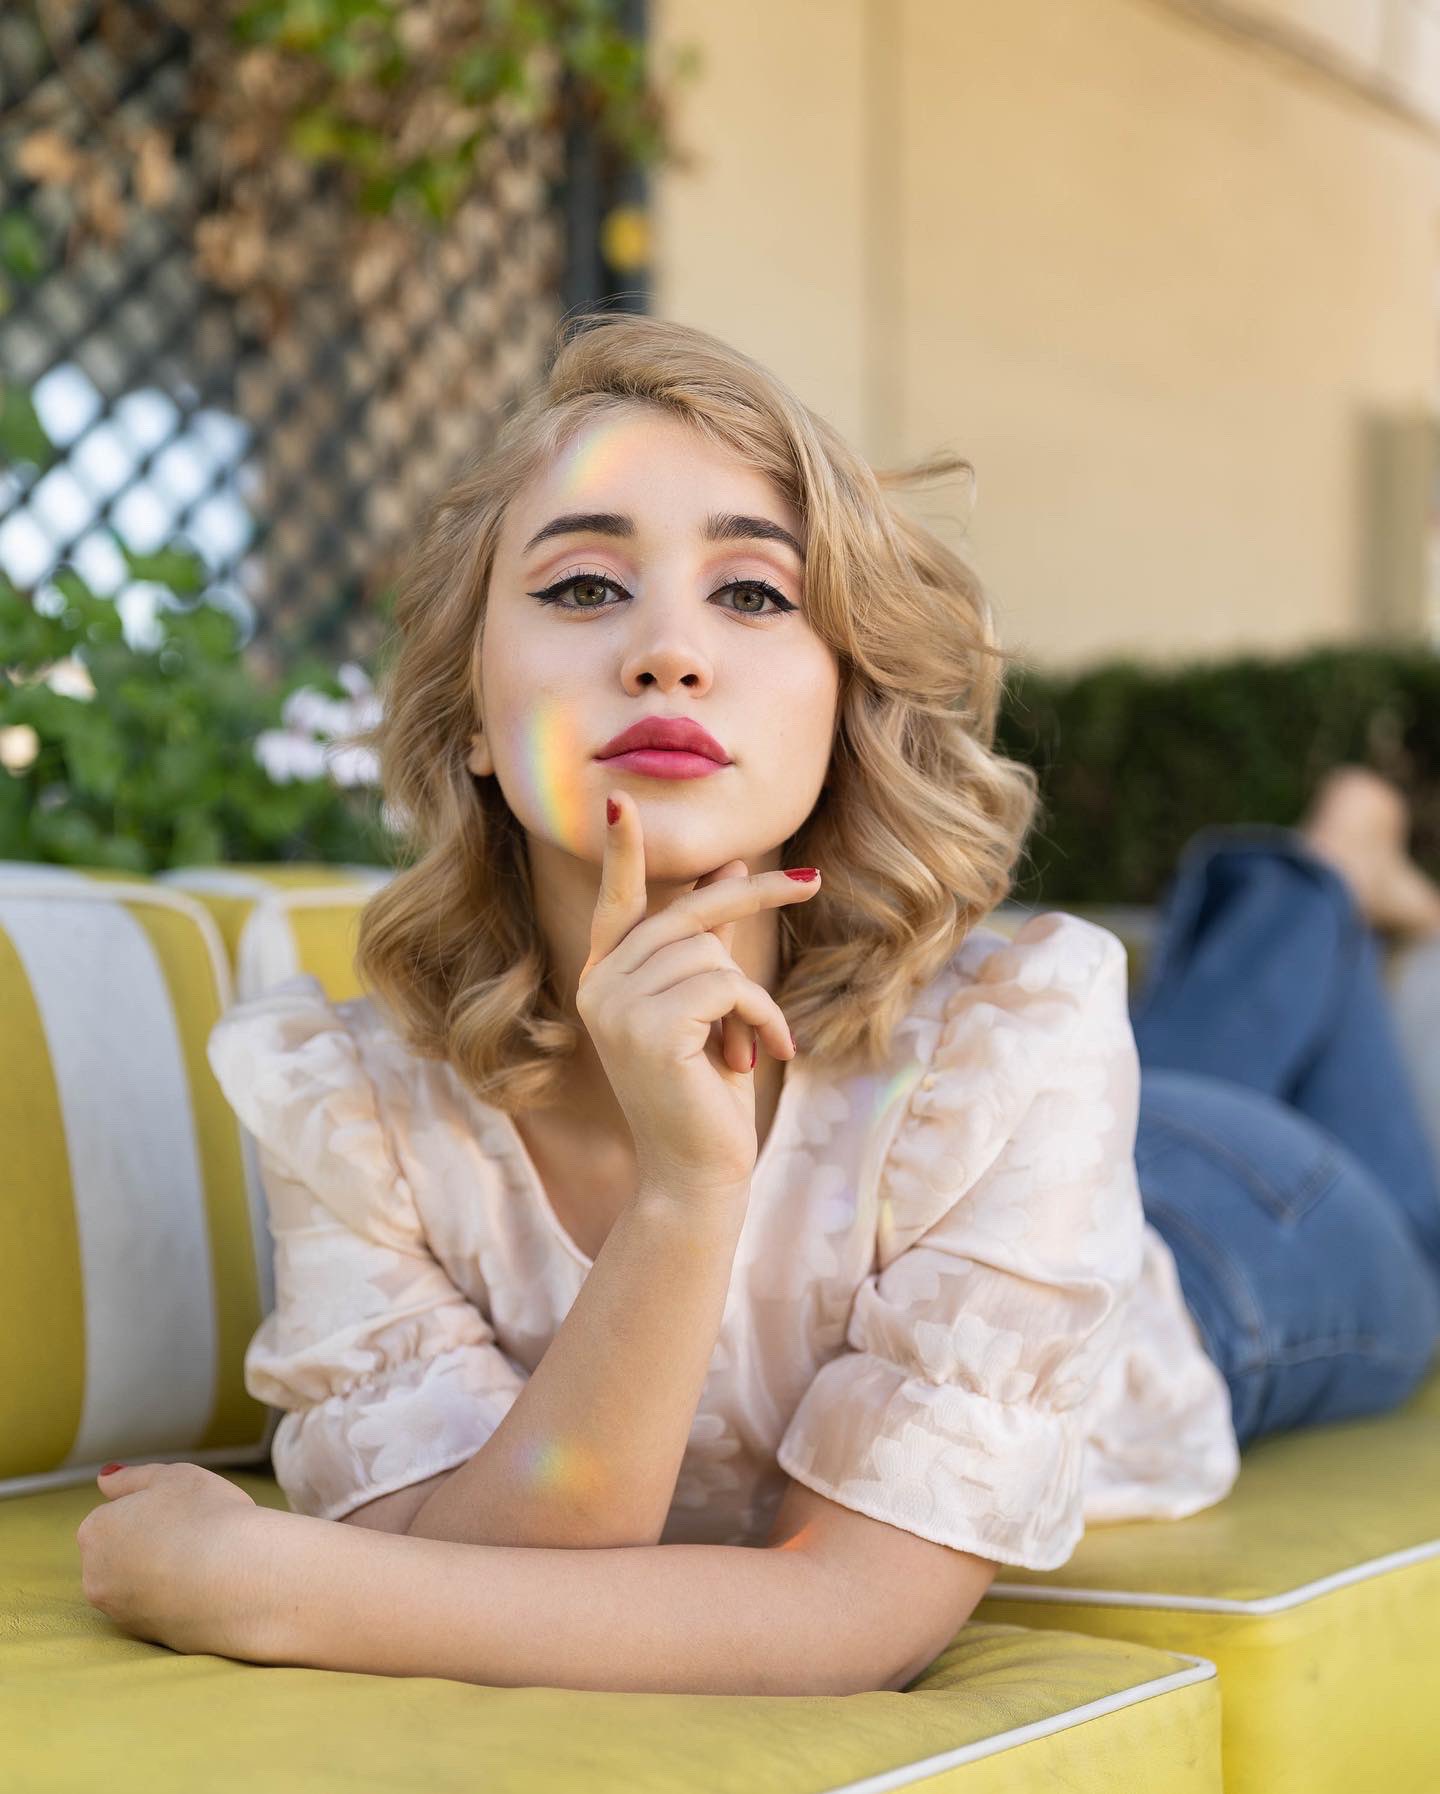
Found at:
[620, 902]
[723, 931]
[726, 900]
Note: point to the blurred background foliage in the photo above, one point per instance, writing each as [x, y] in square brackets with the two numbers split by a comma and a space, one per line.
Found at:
[135, 756]
[1134, 758]
[145, 758]
[405, 102]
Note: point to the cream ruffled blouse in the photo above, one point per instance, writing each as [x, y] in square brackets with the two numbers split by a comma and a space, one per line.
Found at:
[947, 1309]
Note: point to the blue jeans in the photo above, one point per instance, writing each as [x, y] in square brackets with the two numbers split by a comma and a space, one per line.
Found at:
[1280, 1149]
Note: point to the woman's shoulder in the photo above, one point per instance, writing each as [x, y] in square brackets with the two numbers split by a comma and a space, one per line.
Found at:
[294, 1027]
[1009, 1014]
[292, 1051]
[1047, 966]
[324, 1086]
[1051, 948]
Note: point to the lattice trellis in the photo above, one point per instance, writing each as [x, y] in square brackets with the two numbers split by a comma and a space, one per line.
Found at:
[296, 455]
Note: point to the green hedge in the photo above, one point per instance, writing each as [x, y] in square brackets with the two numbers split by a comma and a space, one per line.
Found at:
[1133, 758]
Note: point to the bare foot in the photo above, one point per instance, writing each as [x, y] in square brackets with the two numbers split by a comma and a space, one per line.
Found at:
[1360, 823]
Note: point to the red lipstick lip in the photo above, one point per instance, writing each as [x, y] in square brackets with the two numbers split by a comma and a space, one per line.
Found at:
[663, 763]
[675, 734]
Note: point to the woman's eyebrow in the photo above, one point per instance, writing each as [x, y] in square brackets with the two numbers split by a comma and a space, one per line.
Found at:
[723, 526]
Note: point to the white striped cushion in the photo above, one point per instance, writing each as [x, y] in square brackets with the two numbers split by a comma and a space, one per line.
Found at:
[135, 1258]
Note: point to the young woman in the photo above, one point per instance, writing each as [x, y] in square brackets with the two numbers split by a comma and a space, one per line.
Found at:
[640, 1346]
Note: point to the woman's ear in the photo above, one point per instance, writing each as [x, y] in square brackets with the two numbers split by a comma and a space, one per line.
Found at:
[478, 759]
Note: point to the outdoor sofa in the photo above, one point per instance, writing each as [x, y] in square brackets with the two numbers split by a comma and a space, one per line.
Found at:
[1284, 1641]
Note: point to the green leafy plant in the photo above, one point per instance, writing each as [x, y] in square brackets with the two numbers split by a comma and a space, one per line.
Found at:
[404, 94]
[1134, 758]
[144, 758]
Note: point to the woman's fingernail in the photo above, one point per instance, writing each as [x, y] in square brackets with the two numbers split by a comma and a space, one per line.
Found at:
[612, 810]
[803, 873]
[752, 1055]
[110, 1469]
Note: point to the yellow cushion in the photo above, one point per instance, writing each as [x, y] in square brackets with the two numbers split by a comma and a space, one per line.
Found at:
[1004, 1710]
[277, 920]
[1314, 1587]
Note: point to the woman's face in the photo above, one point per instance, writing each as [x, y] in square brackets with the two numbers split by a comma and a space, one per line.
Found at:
[686, 601]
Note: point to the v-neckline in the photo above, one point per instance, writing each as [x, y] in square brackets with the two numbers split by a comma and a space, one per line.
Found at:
[541, 1195]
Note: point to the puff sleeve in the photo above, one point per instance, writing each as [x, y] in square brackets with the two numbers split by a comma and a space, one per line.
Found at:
[1011, 1235]
[387, 1373]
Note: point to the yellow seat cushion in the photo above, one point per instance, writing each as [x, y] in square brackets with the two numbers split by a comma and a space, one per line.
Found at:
[1314, 1586]
[1315, 1589]
[277, 920]
[1006, 1709]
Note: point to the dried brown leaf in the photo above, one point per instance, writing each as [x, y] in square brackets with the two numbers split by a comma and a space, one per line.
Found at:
[155, 173]
[101, 203]
[50, 157]
[230, 249]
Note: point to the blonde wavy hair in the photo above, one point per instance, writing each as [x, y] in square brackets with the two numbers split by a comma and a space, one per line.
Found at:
[921, 821]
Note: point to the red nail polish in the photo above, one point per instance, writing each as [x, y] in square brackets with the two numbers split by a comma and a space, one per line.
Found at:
[803, 873]
[752, 1055]
[612, 810]
[110, 1469]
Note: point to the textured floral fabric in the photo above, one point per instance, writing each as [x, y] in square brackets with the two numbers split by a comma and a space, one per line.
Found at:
[947, 1309]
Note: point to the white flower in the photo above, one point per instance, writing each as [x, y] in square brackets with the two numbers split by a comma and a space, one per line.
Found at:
[353, 765]
[285, 756]
[310, 712]
[19, 744]
[318, 735]
[70, 678]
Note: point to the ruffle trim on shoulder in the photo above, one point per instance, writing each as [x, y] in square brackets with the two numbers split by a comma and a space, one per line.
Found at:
[291, 1070]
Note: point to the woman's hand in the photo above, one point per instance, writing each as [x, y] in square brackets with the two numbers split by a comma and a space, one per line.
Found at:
[175, 1556]
[651, 994]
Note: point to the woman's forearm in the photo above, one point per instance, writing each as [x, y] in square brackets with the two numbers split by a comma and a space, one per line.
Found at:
[588, 1454]
[688, 1619]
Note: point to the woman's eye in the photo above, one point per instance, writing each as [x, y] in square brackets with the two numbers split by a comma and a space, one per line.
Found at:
[596, 584]
[580, 583]
[757, 589]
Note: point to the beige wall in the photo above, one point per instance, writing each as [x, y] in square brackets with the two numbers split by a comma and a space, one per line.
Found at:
[1155, 282]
